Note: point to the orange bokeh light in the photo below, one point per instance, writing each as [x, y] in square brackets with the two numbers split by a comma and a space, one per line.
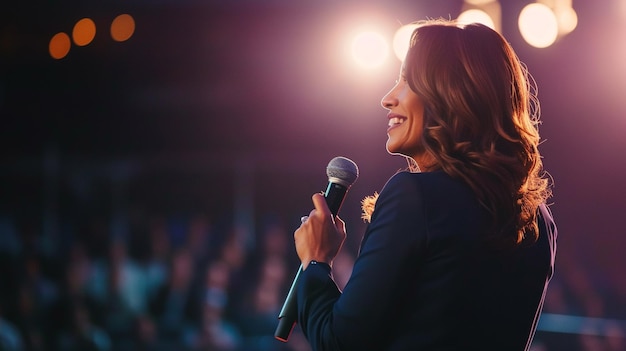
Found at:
[84, 31]
[59, 45]
[122, 27]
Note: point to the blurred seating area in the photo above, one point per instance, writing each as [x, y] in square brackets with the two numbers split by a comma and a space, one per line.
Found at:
[81, 277]
[184, 284]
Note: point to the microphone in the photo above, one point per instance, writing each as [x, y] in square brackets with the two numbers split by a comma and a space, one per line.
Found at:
[342, 173]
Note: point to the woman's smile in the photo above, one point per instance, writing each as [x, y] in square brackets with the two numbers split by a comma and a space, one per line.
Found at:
[395, 120]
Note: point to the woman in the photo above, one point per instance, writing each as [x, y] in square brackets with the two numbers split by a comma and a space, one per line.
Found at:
[460, 248]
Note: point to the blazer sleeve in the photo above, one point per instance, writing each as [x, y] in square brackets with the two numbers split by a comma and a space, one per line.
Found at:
[362, 317]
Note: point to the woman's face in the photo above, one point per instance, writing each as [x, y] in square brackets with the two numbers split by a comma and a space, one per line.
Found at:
[406, 115]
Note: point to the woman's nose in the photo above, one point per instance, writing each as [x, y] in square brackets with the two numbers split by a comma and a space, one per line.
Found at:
[389, 100]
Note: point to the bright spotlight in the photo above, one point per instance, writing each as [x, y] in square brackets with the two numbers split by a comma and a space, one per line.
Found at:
[567, 19]
[476, 16]
[538, 25]
[369, 49]
[401, 40]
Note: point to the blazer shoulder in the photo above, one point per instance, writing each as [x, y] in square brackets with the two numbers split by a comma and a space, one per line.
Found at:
[407, 181]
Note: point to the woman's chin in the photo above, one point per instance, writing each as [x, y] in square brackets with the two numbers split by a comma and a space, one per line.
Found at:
[395, 152]
[392, 148]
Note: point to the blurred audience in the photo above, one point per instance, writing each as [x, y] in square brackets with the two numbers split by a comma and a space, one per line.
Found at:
[174, 307]
[10, 338]
[81, 334]
[215, 331]
[191, 285]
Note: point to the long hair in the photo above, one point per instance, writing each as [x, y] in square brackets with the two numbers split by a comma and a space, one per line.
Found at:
[481, 116]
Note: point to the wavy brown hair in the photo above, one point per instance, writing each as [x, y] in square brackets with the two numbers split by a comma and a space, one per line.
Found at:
[480, 121]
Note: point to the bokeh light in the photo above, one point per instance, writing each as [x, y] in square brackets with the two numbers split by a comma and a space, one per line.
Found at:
[401, 40]
[479, 2]
[538, 25]
[84, 31]
[369, 49]
[567, 19]
[476, 16]
[122, 27]
[59, 45]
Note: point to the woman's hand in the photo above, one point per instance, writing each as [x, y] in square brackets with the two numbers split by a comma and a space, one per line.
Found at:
[321, 236]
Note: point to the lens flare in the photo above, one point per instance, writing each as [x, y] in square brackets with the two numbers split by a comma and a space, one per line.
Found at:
[369, 49]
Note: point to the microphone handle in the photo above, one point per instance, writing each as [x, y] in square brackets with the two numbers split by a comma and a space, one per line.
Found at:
[335, 194]
[289, 313]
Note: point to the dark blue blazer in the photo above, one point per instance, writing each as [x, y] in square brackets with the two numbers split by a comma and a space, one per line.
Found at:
[426, 280]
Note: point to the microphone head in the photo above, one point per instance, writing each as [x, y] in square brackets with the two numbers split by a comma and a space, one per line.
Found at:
[342, 170]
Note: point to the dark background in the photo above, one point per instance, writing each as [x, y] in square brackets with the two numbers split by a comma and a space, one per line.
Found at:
[234, 108]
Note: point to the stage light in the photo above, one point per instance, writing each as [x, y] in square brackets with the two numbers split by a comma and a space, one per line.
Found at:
[84, 31]
[369, 49]
[401, 40]
[59, 45]
[476, 16]
[122, 27]
[538, 25]
[566, 16]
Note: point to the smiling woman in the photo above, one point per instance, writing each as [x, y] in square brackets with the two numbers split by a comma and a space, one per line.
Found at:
[462, 239]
